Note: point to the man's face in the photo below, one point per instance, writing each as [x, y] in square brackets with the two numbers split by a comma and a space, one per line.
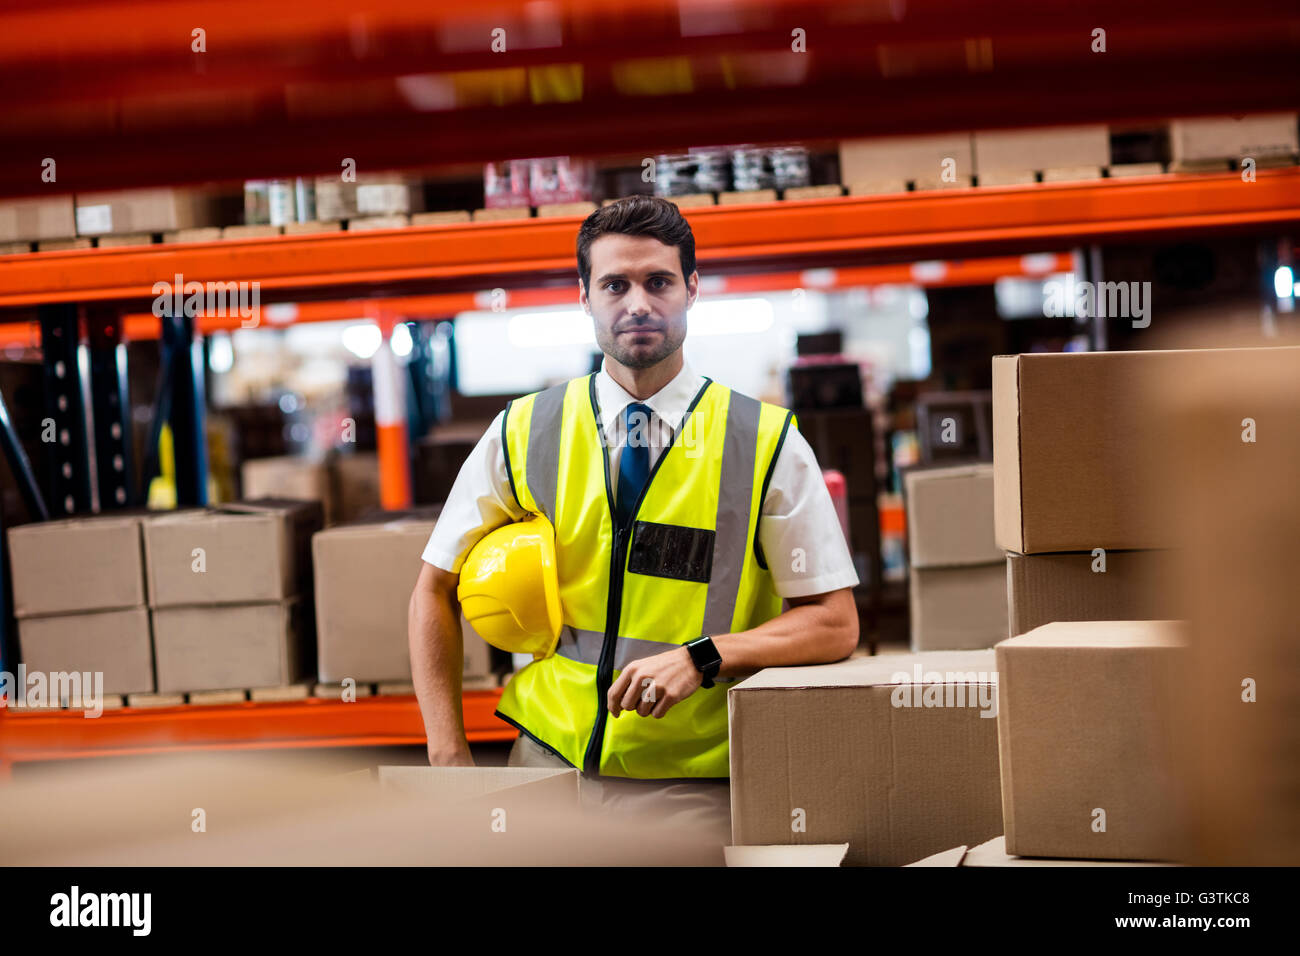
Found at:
[638, 298]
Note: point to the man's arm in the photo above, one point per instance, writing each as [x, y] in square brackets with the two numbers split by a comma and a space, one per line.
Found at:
[816, 629]
[480, 500]
[437, 660]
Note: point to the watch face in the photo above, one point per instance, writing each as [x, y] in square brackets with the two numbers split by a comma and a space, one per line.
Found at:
[705, 654]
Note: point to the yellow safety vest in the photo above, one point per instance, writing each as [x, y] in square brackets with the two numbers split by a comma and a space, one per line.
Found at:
[688, 566]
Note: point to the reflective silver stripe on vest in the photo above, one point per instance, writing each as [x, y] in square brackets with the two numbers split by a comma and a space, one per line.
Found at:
[543, 461]
[735, 493]
[584, 647]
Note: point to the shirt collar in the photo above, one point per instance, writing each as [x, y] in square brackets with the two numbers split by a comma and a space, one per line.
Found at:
[669, 403]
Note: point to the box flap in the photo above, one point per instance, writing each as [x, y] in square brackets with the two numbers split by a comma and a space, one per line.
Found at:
[1008, 527]
[809, 854]
[951, 857]
[879, 670]
[1102, 634]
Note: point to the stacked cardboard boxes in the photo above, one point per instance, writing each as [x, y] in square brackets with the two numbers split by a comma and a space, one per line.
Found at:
[230, 595]
[1070, 442]
[365, 573]
[1177, 470]
[957, 586]
[79, 597]
[32, 220]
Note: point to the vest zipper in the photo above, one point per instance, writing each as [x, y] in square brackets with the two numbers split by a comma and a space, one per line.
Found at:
[617, 564]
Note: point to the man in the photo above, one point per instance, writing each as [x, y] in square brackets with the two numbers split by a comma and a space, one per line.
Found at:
[684, 513]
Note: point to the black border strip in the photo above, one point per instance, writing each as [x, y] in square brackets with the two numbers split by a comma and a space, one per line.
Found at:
[505, 450]
[767, 480]
[532, 736]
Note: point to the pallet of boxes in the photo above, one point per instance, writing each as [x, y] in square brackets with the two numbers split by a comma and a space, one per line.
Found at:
[230, 598]
[80, 601]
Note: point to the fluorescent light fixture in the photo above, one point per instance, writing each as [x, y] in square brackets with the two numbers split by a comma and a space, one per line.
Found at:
[730, 317]
[221, 354]
[537, 329]
[401, 339]
[715, 317]
[362, 340]
[1284, 282]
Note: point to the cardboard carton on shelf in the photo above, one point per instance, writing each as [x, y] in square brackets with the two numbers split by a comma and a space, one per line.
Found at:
[145, 210]
[1086, 739]
[1208, 141]
[33, 220]
[77, 564]
[115, 643]
[289, 476]
[365, 573]
[903, 159]
[852, 753]
[249, 552]
[228, 646]
[1002, 153]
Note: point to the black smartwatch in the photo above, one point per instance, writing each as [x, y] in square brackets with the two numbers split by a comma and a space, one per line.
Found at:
[706, 657]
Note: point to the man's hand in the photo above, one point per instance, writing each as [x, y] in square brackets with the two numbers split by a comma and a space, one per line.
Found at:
[651, 685]
[450, 755]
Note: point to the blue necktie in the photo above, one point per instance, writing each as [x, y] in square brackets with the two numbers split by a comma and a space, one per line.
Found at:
[634, 463]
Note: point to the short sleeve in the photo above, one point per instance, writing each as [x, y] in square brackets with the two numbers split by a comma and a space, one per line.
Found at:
[799, 529]
[480, 500]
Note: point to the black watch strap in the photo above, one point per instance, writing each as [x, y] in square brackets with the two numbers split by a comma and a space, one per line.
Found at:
[706, 657]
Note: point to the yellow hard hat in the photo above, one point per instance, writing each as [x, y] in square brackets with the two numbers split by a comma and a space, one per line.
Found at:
[509, 589]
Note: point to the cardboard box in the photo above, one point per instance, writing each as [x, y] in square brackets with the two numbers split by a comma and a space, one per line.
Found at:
[115, 643]
[1261, 136]
[957, 608]
[906, 158]
[1238, 565]
[1075, 435]
[288, 476]
[950, 516]
[1135, 586]
[850, 753]
[227, 646]
[365, 574]
[994, 853]
[1086, 740]
[144, 210]
[355, 485]
[372, 194]
[1028, 150]
[250, 552]
[31, 220]
[77, 564]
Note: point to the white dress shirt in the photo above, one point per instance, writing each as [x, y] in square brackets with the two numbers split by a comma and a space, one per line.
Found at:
[798, 528]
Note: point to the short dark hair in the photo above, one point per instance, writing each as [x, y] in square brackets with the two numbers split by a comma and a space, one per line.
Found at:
[637, 216]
